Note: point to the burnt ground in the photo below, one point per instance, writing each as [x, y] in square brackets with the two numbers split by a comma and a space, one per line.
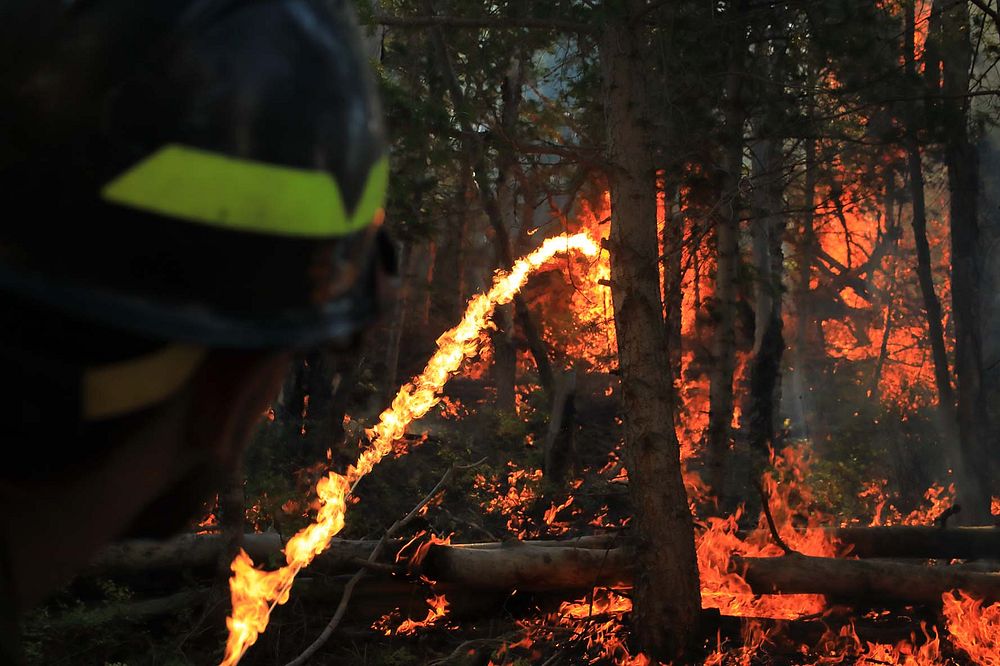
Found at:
[503, 498]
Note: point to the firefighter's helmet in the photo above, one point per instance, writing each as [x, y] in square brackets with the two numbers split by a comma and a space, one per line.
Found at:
[202, 171]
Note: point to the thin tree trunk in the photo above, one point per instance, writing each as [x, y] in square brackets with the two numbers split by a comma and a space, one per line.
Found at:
[727, 262]
[505, 356]
[673, 248]
[768, 228]
[883, 354]
[667, 598]
[397, 325]
[801, 375]
[932, 306]
[232, 516]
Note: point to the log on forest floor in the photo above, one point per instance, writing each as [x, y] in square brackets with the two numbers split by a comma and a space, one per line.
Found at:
[598, 561]
[196, 551]
[530, 568]
[201, 551]
[915, 542]
[921, 542]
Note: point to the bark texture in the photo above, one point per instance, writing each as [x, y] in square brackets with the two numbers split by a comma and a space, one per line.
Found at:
[666, 599]
[962, 161]
[768, 231]
[932, 306]
[727, 231]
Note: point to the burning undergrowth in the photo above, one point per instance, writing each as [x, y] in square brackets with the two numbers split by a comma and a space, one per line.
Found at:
[787, 504]
[520, 492]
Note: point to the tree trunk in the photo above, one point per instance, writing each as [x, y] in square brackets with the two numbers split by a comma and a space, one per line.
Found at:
[727, 231]
[673, 296]
[559, 449]
[767, 228]
[963, 187]
[505, 356]
[504, 360]
[932, 306]
[232, 516]
[801, 375]
[397, 325]
[667, 598]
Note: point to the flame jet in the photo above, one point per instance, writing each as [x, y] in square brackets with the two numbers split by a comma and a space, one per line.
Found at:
[254, 592]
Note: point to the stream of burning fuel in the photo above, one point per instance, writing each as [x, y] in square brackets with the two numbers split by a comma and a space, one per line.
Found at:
[255, 592]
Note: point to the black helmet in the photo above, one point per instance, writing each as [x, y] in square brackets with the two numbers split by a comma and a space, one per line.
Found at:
[202, 171]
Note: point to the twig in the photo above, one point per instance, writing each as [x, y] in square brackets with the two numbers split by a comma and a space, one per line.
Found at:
[553, 659]
[766, 507]
[464, 648]
[468, 523]
[942, 520]
[379, 567]
[376, 552]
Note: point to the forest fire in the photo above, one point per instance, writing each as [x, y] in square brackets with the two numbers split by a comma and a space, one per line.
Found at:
[737, 404]
[256, 592]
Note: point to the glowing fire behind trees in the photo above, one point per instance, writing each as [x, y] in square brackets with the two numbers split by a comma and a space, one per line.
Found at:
[853, 240]
[255, 592]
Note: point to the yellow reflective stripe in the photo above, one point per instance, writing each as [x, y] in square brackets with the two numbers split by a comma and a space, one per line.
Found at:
[128, 386]
[218, 190]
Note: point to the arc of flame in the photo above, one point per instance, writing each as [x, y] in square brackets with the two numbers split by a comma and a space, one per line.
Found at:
[255, 592]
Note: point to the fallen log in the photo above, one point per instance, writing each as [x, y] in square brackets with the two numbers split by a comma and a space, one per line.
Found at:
[200, 551]
[528, 567]
[582, 563]
[194, 551]
[865, 579]
[967, 543]
[531, 568]
[197, 551]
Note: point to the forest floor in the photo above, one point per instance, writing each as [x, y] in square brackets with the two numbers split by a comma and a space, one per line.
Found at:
[504, 497]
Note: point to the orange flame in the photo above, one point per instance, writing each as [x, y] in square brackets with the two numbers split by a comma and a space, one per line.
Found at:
[437, 609]
[726, 589]
[255, 592]
[973, 628]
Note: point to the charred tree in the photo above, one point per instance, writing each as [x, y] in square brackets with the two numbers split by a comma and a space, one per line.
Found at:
[667, 598]
[505, 355]
[932, 306]
[727, 230]
[962, 161]
[559, 449]
[767, 230]
[801, 379]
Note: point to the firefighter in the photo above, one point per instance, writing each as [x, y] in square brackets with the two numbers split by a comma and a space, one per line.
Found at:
[192, 193]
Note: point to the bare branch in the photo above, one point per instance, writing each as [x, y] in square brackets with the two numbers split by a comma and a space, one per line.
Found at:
[376, 552]
[987, 8]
